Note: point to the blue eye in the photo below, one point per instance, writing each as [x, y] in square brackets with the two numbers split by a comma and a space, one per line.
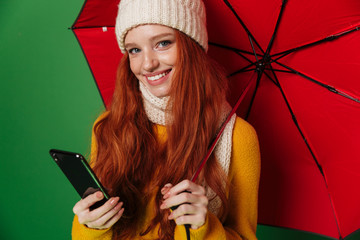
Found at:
[164, 43]
[133, 50]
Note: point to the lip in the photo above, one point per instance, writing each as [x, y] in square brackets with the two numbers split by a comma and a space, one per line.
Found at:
[160, 80]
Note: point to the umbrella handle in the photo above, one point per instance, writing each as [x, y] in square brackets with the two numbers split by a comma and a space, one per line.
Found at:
[187, 226]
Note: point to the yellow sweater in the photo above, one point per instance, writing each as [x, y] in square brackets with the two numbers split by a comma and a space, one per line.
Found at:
[240, 223]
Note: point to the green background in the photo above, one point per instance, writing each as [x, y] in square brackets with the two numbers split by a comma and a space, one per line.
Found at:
[48, 100]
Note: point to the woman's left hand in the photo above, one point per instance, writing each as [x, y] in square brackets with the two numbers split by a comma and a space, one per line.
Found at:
[191, 200]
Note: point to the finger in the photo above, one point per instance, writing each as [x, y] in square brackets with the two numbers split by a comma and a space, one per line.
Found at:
[166, 188]
[188, 209]
[87, 216]
[85, 203]
[195, 221]
[108, 219]
[116, 218]
[184, 197]
[185, 185]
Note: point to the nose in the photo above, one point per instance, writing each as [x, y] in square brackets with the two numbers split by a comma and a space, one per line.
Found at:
[150, 61]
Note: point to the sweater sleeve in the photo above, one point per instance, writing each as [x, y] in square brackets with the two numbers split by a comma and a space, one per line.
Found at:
[81, 232]
[244, 175]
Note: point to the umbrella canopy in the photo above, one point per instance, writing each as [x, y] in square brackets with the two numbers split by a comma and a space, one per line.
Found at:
[304, 102]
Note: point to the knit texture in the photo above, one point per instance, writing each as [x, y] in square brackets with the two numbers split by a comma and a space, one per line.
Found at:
[155, 109]
[187, 16]
[241, 220]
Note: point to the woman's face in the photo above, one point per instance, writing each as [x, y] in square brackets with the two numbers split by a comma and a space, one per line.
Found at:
[152, 53]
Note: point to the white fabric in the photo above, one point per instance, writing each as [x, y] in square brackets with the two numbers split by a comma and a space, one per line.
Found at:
[187, 16]
[155, 109]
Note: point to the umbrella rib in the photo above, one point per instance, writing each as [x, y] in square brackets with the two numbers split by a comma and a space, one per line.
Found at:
[278, 70]
[237, 51]
[281, 13]
[242, 24]
[87, 27]
[230, 48]
[243, 56]
[272, 79]
[253, 48]
[297, 125]
[330, 88]
[326, 39]
[244, 69]
[78, 16]
[305, 140]
[91, 70]
[255, 92]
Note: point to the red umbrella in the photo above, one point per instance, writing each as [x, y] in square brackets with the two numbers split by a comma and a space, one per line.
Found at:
[304, 103]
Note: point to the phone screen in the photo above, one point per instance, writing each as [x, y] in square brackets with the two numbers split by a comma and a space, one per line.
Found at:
[79, 173]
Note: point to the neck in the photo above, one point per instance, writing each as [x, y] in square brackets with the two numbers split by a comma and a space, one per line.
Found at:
[155, 107]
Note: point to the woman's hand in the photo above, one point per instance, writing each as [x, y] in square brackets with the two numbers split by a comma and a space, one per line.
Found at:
[191, 200]
[99, 218]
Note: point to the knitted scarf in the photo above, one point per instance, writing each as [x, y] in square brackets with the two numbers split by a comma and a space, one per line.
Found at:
[155, 109]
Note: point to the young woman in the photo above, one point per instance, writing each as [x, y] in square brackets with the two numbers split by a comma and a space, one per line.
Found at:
[168, 104]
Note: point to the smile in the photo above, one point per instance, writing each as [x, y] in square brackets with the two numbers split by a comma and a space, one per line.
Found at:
[158, 76]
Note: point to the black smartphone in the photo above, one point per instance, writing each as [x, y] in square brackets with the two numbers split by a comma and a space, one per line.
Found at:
[80, 174]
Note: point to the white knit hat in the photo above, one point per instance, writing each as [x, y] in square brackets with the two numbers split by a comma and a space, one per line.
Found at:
[188, 16]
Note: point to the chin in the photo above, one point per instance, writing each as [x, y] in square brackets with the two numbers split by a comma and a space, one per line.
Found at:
[162, 92]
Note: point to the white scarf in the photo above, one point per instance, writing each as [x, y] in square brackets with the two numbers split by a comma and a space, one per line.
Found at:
[155, 109]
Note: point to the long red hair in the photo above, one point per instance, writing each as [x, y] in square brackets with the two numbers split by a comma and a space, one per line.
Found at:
[128, 154]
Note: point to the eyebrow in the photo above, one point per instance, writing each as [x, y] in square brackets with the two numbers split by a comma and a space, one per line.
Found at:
[160, 36]
[130, 45]
[154, 38]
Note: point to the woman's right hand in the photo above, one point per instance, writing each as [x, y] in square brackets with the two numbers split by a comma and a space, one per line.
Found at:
[99, 218]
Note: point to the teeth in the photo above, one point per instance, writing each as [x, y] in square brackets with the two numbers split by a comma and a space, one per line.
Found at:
[156, 77]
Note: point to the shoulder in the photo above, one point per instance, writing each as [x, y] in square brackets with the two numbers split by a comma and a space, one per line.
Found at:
[245, 157]
[101, 117]
[244, 133]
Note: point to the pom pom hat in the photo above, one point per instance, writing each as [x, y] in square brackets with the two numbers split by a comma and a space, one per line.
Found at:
[187, 16]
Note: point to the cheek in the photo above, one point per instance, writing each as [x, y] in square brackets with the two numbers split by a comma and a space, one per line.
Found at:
[170, 58]
[134, 66]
